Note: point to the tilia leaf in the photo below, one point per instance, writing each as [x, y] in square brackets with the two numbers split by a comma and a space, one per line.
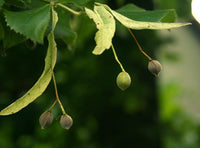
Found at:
[105, 24]
[30, 23]
[138, 14]
[138, 25]
[44, 79]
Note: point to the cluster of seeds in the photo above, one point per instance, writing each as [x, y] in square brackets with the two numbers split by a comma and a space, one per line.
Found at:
[123, 79]
[46, 118]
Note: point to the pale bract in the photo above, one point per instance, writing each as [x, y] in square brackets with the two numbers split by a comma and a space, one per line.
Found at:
[105, 24]
[138, 25]
[44, 79]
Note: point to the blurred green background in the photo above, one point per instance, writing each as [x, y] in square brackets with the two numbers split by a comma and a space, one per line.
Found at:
[154, 112]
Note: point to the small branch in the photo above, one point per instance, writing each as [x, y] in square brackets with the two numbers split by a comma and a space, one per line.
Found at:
[69, 9]
[56, 91]
[140, 48]
[116, 58]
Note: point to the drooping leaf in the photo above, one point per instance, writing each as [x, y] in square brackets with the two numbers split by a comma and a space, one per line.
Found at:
[105, 24]
[138, 14]
[44, 79]
[54, 19]
[30, 23]
[63, 29]
[138, 25]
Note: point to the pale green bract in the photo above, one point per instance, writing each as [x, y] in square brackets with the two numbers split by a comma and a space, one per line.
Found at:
[44, 79]
[138, 25]
[105, 24]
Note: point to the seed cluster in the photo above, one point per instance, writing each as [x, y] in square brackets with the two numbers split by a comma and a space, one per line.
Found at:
[123, 79]
[46, 118]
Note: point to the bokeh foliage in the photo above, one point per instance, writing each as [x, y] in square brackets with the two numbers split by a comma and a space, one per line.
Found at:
[103, 115]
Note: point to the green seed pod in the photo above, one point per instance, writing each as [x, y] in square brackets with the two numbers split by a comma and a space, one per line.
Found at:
[66, 121]
[154, 67]
[123, 80]
[46, 119]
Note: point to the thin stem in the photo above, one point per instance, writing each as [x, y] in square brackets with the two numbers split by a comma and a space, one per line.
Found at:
[54, 103]
[69, 9]
[56, 91]
[140, 48]
[116, 58]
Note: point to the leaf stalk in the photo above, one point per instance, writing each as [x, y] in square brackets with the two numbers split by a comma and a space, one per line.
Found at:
[140, 48]
[69, 9]
[116, 58]
[57, 97]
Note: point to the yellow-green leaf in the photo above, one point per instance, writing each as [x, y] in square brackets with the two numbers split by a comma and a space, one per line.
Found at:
[44, 79]
[138, 25]
[105, 24]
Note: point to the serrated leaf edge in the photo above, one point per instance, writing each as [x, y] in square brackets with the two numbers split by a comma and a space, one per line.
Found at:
[27, 37]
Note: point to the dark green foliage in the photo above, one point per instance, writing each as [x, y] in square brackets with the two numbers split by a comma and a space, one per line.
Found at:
[31, 23]
[139, 14]
[104, 116]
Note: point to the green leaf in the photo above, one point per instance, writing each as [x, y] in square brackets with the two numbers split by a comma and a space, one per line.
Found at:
[105, 24]
[54, 19]
[130, 8]
[31, 4]
[44, 79]
[16, 3]
[63, 29]
[138, 25]
[138, 14]
[31, 23]
[79, 2]
[9, 37]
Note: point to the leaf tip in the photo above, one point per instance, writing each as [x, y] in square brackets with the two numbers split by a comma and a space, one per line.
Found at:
[98, 50]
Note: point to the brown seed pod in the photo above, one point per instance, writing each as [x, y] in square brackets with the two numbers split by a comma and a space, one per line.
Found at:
[154, 67]
[66, 121]
[123, 80]
[46, 119]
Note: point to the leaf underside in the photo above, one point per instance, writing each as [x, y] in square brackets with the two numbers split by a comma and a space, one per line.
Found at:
[105, 24]
[42, 83]
[30, 23]
[134, 18]
[138, 25]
